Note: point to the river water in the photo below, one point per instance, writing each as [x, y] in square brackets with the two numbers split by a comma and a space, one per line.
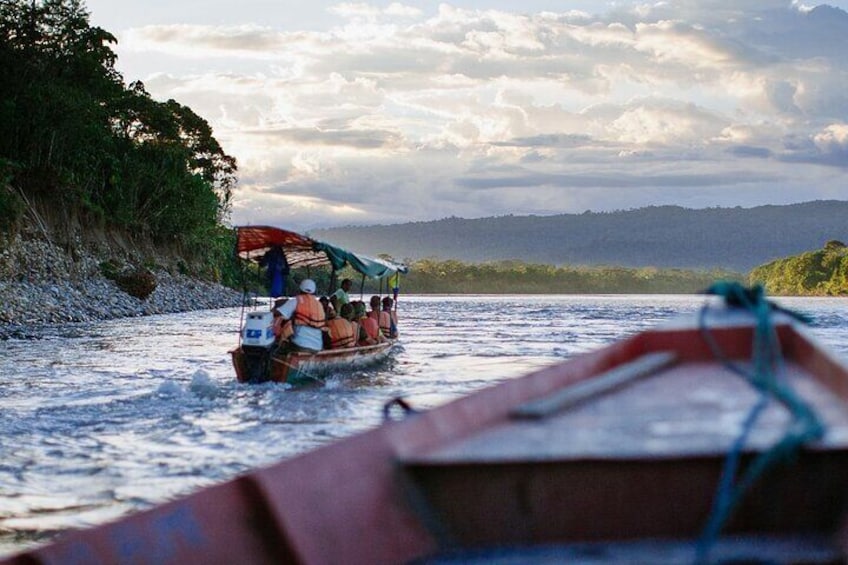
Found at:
[99, 420]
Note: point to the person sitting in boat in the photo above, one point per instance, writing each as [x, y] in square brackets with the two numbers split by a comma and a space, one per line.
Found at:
[370, 328]
[329, 310]
[348, 312]
[282, 327]
[341, 296]
[388, 319]
[375, 308]
[359, 315]
[307, 316]
[325, 331]
[340, 329]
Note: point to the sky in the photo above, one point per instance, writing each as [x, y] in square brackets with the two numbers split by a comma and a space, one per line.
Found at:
[356, 113]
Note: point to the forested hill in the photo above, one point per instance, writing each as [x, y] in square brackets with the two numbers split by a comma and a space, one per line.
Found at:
[85, 157]
[658, 236]
[821, 272]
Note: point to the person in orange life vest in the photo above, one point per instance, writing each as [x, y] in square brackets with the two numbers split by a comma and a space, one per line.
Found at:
[329, 309]
[388, 318]
[307, 316]
[370, 332]
[341, 330]
[375, 308]
[349, 314]
[359, 318]
[282, 327]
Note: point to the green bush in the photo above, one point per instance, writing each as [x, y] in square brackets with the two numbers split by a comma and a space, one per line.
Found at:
[11, 209]
[11, 204]
[110, 269]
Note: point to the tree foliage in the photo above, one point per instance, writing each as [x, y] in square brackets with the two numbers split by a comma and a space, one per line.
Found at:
[432, 276]
[815, 273]
[72, 134]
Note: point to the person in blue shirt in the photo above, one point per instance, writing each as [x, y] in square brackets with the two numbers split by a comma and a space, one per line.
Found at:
[277, 270]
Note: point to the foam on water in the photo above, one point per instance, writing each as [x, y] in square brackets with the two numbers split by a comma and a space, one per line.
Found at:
[203, 386]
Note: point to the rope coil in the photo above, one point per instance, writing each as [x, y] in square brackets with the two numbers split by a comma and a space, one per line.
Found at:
[768, 365]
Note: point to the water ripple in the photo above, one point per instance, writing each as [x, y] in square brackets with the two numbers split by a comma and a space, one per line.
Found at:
[102, 419]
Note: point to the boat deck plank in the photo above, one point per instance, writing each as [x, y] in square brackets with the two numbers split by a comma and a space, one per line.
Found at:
[694, 408]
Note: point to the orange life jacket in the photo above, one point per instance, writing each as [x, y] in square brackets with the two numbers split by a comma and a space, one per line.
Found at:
[371, 327]
[309, 312]
[386, 323]
[341, 333]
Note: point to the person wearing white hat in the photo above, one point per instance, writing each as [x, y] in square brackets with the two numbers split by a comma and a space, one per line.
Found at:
[307, 316]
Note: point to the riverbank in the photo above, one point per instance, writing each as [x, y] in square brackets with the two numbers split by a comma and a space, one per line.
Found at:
[42, 283]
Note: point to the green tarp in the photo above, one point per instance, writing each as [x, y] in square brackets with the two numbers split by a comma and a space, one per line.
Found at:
[368, 266]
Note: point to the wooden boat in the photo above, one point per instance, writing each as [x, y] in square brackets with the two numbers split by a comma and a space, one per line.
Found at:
[651, 450]
[258, 358]
[299, 367]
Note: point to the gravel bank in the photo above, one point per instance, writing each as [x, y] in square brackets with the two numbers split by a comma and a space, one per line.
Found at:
[43, 284]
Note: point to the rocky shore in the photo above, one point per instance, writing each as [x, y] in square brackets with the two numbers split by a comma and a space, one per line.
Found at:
[42, 283]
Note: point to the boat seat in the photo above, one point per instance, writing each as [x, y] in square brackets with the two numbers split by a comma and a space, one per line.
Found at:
[639, 461]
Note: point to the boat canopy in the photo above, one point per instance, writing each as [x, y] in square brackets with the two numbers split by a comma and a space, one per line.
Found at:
[253, 242]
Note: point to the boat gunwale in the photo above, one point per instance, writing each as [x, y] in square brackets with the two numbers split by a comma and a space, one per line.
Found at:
[341, 351]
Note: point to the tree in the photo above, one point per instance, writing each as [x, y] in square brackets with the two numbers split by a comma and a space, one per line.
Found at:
[70, 131]
[822, 272]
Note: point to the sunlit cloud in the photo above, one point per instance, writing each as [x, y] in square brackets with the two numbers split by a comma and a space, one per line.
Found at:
[476, 112]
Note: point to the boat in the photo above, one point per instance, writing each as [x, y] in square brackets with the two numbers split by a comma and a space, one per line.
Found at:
[722, 438]
[301, 367]
[258, 358]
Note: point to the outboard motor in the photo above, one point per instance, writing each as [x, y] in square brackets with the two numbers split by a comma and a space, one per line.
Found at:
[257, 342]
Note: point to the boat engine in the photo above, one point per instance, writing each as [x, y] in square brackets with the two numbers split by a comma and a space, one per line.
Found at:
[257, 343]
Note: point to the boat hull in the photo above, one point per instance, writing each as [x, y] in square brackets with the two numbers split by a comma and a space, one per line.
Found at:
[300, 367]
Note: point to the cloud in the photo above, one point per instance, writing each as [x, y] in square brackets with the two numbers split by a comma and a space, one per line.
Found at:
[352, 138]
[827, 147]
[621, 180]
[750, 151]
[833, 139]
[456, 111]
[547, 140]
[200, 41]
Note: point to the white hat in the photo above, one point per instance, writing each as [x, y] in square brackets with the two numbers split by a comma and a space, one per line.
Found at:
[307, 286]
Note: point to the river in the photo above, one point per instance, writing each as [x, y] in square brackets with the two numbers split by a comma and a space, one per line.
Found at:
[99, 420]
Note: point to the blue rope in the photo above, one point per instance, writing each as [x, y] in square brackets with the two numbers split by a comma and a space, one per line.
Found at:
[767, 363]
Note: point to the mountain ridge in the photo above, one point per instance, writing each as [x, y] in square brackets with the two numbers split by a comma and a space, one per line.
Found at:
[656, 236]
